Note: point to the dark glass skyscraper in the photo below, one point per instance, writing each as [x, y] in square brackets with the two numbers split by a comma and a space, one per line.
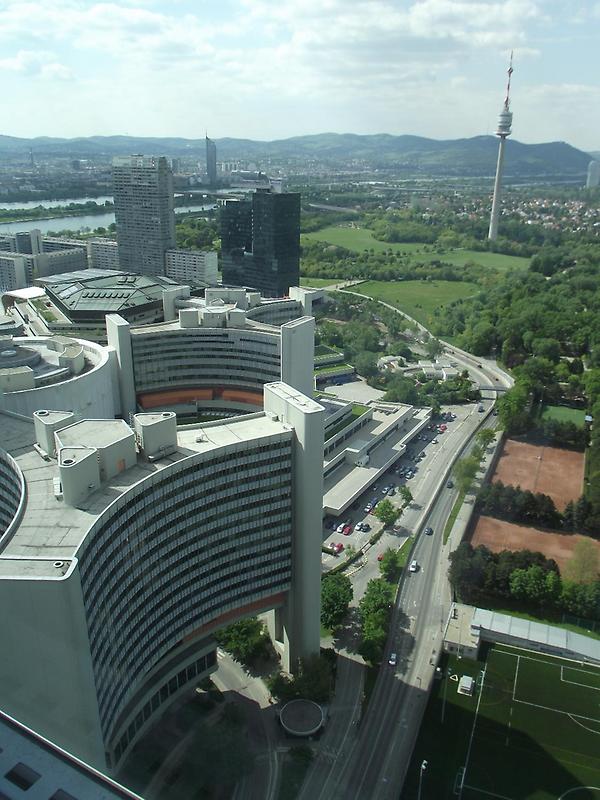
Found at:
[211, 162]
[144, 212]
[236, 240]
[260, 242]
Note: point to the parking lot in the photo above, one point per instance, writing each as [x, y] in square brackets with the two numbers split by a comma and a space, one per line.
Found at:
[349, 529]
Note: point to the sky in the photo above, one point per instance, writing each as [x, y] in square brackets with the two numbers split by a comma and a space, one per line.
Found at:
[268, 69]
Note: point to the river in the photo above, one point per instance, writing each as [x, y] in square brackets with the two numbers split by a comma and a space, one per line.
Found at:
[79, 222]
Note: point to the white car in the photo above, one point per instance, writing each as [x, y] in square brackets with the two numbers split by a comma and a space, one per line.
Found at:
[340, 527]
[413, 567]
[392, 660]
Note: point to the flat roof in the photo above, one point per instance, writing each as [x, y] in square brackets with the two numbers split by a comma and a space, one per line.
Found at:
[549, 636]
[51, 530]
[458, 629]
[347, 482]
[94, 433]
[57, 769]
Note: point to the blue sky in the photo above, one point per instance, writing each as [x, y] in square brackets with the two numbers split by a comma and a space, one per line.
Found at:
[264, 70]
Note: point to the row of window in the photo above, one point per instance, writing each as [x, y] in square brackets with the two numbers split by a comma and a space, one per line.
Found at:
[232, 510]
[136, 644]
[170, 628]
[179, 681]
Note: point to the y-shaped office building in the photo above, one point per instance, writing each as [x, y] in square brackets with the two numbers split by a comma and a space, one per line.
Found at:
[125, 543]
[125, 546]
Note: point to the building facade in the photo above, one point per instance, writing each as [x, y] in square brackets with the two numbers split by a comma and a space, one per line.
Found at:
[142, 542]
[144, 212]
[211, 162]
[260, 242]
[193, 267]
[103, 254]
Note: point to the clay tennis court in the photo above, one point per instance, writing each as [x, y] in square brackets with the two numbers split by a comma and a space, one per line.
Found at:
[498, 535]
[547, 470]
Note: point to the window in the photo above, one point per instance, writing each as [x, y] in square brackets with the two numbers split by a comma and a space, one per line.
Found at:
[22, 776]
[60, 794]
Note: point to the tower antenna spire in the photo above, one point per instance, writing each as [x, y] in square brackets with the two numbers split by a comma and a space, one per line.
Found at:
[509, 72]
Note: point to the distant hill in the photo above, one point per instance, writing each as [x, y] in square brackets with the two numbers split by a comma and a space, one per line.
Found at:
[413, 154]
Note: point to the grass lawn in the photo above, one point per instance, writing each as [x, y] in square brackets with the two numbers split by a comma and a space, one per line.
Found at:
[453, 515]
[418, 299]
[564, 414]
[529, 732]
[317, 283]
[359, 239]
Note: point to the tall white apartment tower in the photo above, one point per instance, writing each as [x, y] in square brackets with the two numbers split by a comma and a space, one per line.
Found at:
[503, 130]
[144, 212]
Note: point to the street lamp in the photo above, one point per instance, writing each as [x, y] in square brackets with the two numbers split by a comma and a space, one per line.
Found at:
[421, 771]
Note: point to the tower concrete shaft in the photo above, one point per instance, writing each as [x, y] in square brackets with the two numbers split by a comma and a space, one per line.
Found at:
[495, 215]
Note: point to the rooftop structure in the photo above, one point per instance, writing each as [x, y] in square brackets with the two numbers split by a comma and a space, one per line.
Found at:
[124, 552]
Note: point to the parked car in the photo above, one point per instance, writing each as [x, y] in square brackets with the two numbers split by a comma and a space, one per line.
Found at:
[366, 527]
[367, 508]
[413, 567]
[480, 409]
[347, 530]
[380, 557]
[391, 491]
[385, 490]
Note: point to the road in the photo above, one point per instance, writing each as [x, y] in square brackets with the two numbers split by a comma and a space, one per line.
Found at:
[370, 760]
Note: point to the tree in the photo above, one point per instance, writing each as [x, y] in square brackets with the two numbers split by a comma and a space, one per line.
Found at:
[465, 470]
[485, 437]
[246, 640]
[406, 495]
[513, 409]
[366, 364]
[388, 566]
[434, 347]
[336, 595]
[387, 513]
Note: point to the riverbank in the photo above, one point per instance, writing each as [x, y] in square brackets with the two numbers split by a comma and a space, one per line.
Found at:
[57, 212]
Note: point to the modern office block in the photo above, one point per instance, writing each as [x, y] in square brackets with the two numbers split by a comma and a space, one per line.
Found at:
[144, 214]
[275, 242]
[103, 254]
[260, 242]
[194, 267]
[211, 162]
[13, 272]
[139, 545]
[236, 240]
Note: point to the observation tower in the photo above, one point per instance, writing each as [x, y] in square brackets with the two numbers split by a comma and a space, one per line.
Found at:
[503, 130]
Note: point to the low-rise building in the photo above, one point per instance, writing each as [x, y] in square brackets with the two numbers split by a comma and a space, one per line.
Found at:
[193, 267]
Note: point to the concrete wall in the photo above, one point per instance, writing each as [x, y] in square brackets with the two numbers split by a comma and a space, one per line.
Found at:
[297, 354]
[300, 620]
[41, 683]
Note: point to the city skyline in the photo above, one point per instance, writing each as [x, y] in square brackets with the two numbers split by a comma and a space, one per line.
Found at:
[431, 67]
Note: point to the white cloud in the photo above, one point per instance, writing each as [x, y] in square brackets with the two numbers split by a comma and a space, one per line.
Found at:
[35, 63]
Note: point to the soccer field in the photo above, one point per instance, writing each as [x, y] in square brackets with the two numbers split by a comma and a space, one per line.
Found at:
[531, 731]
[536, 732]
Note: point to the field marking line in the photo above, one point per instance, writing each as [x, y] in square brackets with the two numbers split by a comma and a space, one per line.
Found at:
[490, 794]
[576, 683]
[585, 727]
[515, 678]
[472, 734]
[579, 789]
[542, 660]
[555, 710]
